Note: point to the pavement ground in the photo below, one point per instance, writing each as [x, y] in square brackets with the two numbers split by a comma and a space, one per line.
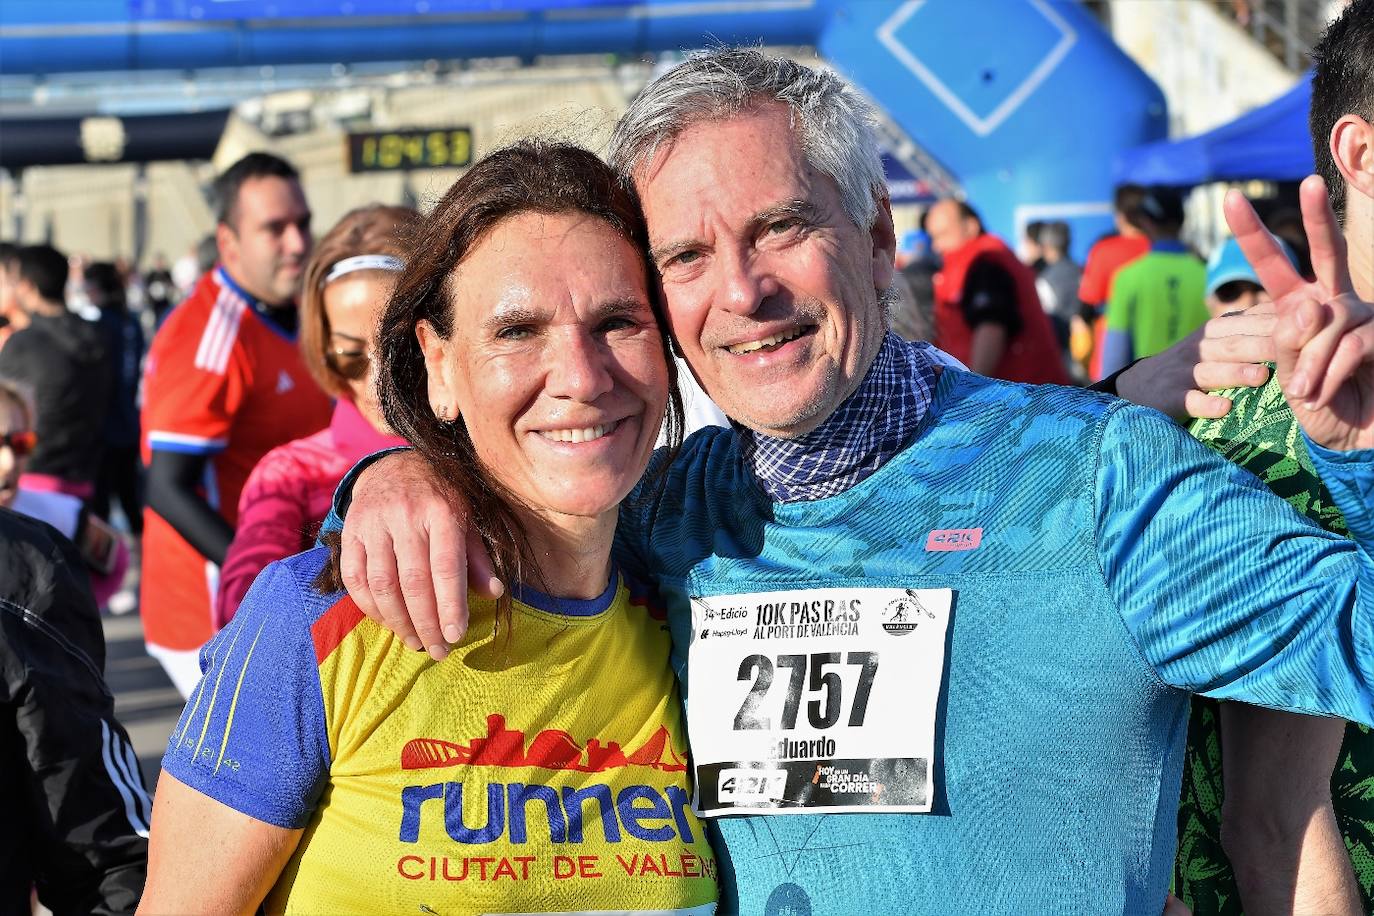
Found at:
[146, 703]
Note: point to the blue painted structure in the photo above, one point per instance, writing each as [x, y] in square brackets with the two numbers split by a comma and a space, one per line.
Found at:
[1268, 143]
[1026, 103]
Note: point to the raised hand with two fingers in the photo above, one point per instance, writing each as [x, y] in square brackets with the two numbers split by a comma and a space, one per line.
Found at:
[1324, 338]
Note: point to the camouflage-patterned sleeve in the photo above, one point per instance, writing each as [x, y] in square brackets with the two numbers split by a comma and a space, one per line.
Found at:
[1261, 435]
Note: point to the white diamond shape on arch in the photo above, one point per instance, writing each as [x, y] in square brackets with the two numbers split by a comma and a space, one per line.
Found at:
[887, 34]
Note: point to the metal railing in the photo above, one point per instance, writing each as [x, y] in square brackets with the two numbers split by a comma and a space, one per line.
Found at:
[1287, 28]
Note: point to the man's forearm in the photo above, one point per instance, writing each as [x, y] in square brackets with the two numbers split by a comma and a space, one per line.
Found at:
[989, 345]
[172, 494]
[194, 519]
[343, 492]
[1278, 827]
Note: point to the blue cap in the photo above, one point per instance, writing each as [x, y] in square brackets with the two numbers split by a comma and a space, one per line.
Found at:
[1228, 264]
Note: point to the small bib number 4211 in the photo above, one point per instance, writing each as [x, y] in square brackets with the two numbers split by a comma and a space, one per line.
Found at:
[816, 699]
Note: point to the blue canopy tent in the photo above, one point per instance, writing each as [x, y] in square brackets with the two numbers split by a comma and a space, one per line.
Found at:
[1269, 143]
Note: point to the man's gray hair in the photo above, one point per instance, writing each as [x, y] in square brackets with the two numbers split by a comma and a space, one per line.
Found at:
[833, 122]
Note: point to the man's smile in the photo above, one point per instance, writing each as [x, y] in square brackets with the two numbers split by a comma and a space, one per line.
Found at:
[771, 342]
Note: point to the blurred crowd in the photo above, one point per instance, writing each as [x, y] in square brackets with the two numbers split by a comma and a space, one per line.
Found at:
[1140, 290]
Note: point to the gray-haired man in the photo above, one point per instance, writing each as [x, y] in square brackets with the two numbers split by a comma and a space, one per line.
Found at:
[937, 631]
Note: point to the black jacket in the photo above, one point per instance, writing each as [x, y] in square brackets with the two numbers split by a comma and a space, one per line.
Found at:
[74, 812]
[62, 358]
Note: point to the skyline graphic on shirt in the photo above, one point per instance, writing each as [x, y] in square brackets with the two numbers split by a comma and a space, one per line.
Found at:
[550, 749]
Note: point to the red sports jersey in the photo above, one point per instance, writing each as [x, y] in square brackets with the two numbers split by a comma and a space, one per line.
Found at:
[1105, 258]
[224, 382]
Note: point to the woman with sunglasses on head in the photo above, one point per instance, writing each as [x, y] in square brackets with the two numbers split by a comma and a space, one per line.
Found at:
[323, 766]
[105, 554]
[346, 285]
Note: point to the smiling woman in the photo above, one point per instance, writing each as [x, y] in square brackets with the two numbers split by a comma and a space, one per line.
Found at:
[17, 439]
[522, 353]
[554, 360]
[528, 296]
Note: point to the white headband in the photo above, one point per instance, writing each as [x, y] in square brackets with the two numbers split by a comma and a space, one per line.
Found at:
[364, 262]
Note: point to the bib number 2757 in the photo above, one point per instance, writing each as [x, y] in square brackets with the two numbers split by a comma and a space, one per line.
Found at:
[816, 699]
[828, 686]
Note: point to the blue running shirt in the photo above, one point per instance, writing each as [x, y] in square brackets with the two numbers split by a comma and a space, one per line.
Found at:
[1103, 566]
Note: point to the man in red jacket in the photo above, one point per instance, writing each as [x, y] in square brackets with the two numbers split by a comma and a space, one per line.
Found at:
[223, 386]
[987, 313]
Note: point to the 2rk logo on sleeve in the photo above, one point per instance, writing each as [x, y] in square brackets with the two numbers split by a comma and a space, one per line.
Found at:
[816, 700]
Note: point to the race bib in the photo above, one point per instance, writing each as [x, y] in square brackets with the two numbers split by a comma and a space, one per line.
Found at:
[816, 700]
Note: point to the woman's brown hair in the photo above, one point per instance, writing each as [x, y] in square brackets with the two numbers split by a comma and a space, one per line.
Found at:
[374, 229]
[532, 176]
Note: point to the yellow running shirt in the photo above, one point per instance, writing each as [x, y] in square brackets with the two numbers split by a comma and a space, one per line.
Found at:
[539, 770]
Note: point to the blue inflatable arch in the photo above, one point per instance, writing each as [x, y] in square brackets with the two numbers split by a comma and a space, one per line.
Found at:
[1021, 104]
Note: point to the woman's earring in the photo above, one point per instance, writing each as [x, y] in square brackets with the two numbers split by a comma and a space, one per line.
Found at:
[442, 413]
